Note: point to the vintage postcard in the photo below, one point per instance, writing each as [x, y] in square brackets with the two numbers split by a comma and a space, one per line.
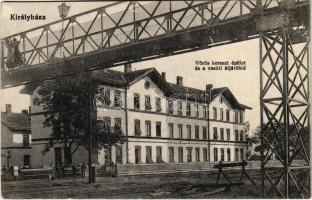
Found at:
[155, 99]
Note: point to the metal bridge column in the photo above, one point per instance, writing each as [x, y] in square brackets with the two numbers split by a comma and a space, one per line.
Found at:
[284, 108]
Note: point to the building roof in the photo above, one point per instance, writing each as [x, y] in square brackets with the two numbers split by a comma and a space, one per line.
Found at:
[16, 121]
[123, 79]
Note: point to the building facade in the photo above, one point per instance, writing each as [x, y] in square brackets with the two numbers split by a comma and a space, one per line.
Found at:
[15, 138]
[161, 121]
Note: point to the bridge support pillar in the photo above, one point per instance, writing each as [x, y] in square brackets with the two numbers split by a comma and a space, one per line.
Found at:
[284, 108]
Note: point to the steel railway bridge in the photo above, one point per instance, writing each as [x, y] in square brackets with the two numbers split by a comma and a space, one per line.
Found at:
[127, 32]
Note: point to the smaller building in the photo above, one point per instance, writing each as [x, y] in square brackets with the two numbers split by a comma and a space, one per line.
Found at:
[15, 138]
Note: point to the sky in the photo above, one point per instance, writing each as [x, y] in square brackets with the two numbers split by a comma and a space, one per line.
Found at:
[243, 84]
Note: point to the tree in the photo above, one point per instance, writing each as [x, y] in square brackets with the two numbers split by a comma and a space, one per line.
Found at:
[67, 109]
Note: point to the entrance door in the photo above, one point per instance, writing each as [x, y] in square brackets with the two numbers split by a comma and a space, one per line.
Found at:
[58, 155]
[108, 157]
[26, 160]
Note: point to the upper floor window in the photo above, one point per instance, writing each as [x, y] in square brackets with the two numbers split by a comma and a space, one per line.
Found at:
[148, 105]
[228, 134]
[222, 134]
[107, 122]
[236, 117]
[221, 114]
[117, 99]
[236, 135]
[205, 112]
[189, 131]
[26, 140]
[197, 110]
[241, 136]
[137, 127]
[158, 104]
[188, 109]
[180, 108]
[204, 133]
[227, 115]
[117, 124]
[241, 117]
[136, 101]
[197, 132]
[148, 128]
[158, 129]
[106, 98]
[170, 106]
[215, 133]
[170, 126]
[180, 128]
[214, 113]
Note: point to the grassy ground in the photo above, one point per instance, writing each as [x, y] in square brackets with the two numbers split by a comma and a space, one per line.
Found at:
[183, 185]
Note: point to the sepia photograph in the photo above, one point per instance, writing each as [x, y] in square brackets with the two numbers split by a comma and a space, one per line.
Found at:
[155, 99]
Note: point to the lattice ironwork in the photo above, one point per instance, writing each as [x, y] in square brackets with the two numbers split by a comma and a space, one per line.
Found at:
[284, 100]
[119, 24]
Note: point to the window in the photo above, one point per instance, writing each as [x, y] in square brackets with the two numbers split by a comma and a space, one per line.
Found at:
[197, 132]
[197, 110]
[26, 140]
[137, 127]
[205, 112]
[137, 154]
[236, 117]
[241, 135]
[106, 99]
[171, 154]
[158, 129]
[117, 99]
[180, 108]
[180, 128]
[221, 114]
[189, 131]
[159, 154]
[26, 160]
[215, 154]
[204, 133]
[158, 104]
[215, 133]
[170, 106]
[188, 109]
[148, 150]
[117, 125]
[222, 154]
[170, 127]
[236, 135]
[189, 154]
[136, 101]
[119, 154]
[148, 105]
[242, 154]
[228, 134]
[107, 123]
[222, 134]
[148, 128]
[227, 115]
[236, 154]
[197, 154]
[241, 117]
[205, 154]
[18, 138]
[221, 100]
[215, 113]
[180, 152]
[228, 152]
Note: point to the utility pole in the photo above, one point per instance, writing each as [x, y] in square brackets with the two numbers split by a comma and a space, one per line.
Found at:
[90, 130]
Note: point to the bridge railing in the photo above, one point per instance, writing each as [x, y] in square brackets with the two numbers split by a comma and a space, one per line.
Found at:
[116, 25]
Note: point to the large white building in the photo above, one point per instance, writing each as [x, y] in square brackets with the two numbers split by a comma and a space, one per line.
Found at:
[161, 121]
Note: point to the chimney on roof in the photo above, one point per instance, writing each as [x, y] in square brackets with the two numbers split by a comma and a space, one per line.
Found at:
[208, 90]
[25, 112]
[128, 67]
[163, 74]
[180, 80]
[8, 108]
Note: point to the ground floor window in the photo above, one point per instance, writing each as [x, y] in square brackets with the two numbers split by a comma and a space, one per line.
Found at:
[228, 152]
[215, 154]
[159, 154]
[189, 154]
[222, 154]
[137, 154]
[149, 154]
[197, 154]
[26, 160]
[180, 152]
[242, 154]
[119, 154]
[236, 154]
[205, 154]
[171, 154]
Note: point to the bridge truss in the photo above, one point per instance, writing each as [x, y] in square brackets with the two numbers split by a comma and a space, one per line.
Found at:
[134, 31]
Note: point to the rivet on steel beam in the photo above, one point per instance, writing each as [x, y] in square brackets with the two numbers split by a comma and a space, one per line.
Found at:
[23, 35]
[46, 28]
[72, 19]
[101, 10]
